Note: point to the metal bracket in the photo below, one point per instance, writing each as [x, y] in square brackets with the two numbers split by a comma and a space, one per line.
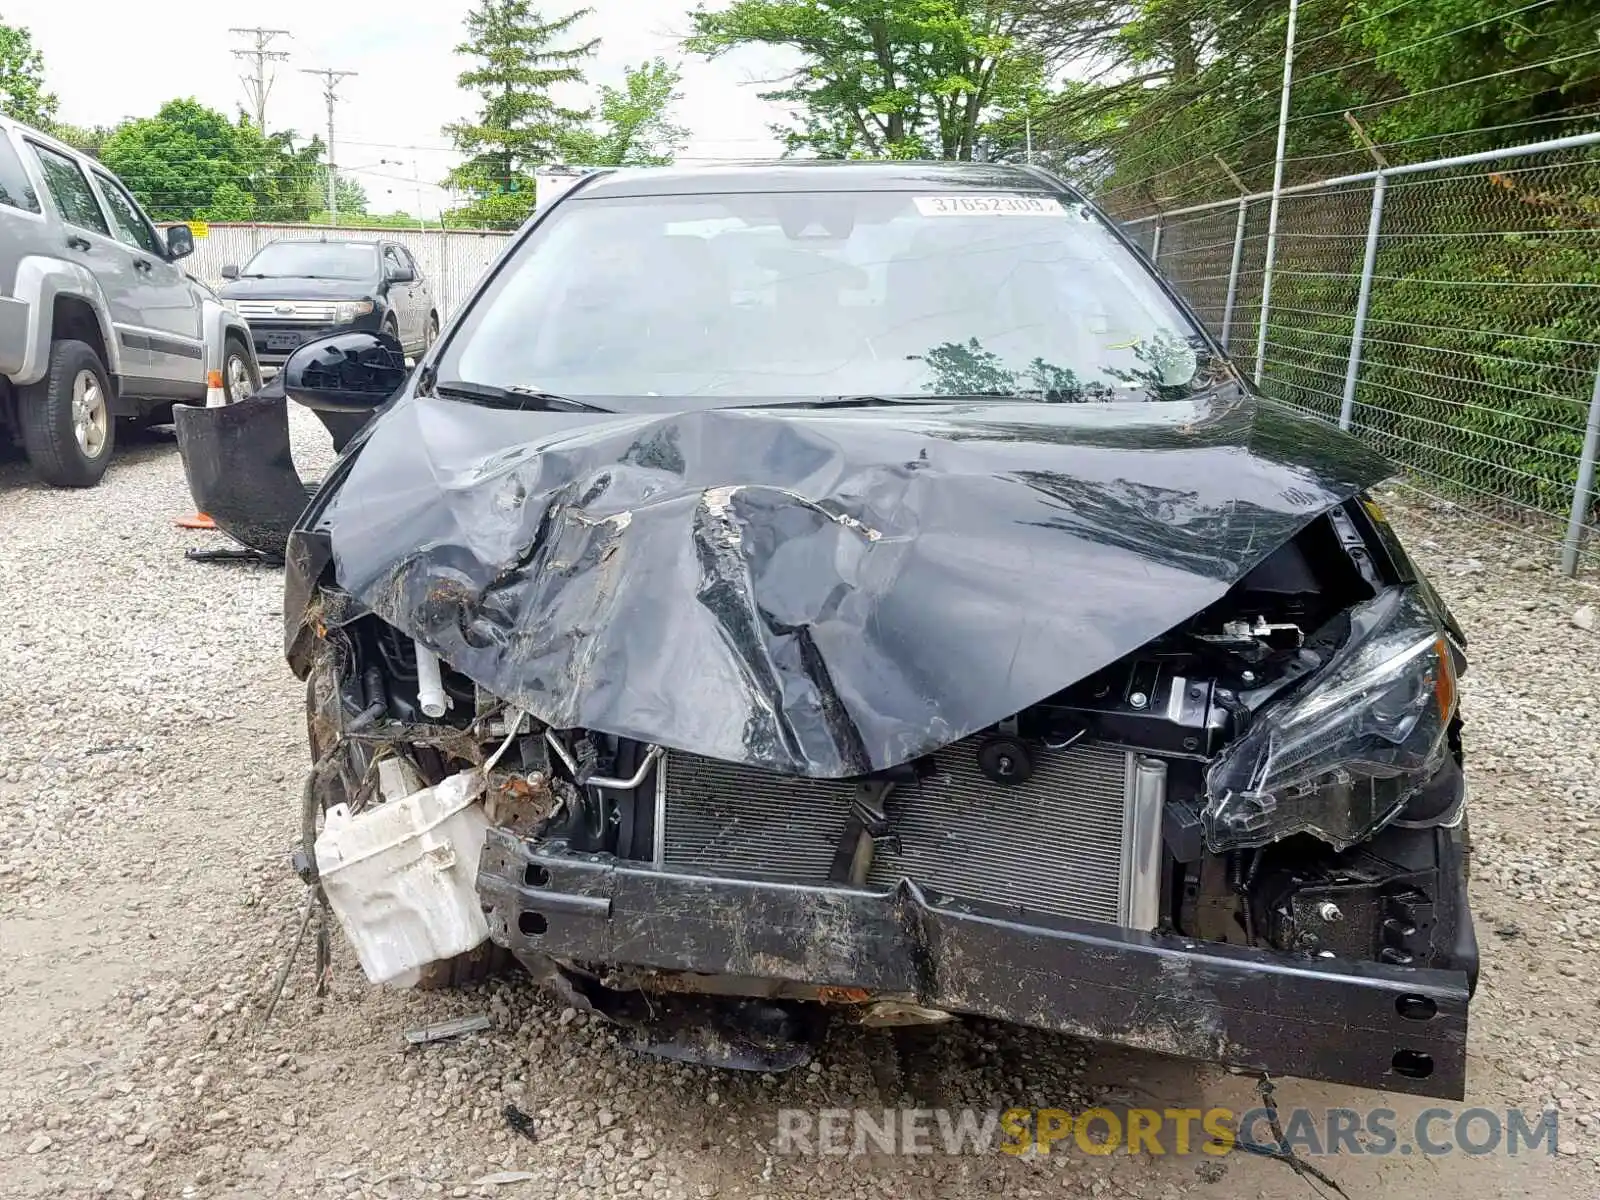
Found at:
[865, 829]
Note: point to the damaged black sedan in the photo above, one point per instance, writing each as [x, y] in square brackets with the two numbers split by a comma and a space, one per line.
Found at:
[865, 591]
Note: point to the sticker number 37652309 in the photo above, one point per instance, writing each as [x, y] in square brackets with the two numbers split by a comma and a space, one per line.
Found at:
[989, 206]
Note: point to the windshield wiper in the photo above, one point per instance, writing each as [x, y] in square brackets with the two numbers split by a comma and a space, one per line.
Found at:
[519, 398]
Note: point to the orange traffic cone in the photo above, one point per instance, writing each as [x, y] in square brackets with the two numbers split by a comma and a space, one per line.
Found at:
[216, 395]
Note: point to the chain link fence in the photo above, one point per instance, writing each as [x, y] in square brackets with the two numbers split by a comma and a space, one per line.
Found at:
[1446, 311]
[452, 260]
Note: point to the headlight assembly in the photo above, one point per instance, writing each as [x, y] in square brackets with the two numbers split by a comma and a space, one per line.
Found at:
[1342, 757]
[348, 310]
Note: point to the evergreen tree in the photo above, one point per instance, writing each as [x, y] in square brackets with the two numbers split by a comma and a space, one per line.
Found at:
[520, 124]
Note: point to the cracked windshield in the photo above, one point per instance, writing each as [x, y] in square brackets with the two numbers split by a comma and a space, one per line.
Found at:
[894, 295]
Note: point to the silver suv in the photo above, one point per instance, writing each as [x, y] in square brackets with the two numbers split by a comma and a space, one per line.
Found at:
[96, 320]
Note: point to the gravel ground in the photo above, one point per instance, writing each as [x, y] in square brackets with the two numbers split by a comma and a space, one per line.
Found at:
[150, 750]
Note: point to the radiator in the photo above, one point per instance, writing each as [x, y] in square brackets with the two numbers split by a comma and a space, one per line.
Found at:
[1081, 838]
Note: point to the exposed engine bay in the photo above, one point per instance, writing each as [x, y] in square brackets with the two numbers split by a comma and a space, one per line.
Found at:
[1101, 803]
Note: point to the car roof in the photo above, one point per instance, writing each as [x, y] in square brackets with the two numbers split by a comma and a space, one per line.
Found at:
[801, 175]
[56, 144]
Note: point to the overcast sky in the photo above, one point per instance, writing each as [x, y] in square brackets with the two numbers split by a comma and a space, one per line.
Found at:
[126, 60]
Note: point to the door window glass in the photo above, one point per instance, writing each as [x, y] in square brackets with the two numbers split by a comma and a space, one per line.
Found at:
[69, 188]
[129, 223]
[16, 189]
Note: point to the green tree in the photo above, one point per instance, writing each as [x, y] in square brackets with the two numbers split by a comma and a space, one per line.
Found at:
[1480, 352]
[634, 127]
[190, 162]
[901, 78]
[229, 202]
[349, 195]
[519, 124]
[88, 138]
[1478, 65]
[22, 92]
[1180, 81]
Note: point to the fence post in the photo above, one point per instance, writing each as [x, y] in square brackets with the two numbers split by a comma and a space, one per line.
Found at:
[1369, 261]
[447, 299]
[1155, 245]
[1233, 272]
[1277, 192]
[1584, 488]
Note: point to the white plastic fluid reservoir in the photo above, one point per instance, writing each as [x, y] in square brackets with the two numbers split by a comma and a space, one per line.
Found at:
[401, 877]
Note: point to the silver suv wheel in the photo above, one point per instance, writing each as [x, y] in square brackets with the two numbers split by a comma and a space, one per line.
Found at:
[236, 376]
[91, 417]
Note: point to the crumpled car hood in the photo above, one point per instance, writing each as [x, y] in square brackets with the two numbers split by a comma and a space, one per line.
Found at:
[816, 592]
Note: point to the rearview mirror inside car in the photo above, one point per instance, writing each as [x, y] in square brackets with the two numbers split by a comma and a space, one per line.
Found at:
[352, 372]
[180, 242]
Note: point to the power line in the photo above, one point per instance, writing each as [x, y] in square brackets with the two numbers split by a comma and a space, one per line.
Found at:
[330, 85]
[258, 85]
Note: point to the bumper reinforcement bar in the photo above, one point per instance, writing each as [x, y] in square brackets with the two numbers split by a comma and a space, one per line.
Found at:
[1375, 1026]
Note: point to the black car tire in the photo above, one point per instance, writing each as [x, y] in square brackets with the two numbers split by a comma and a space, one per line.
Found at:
[241, 375]
[430, 332]
[62, 453]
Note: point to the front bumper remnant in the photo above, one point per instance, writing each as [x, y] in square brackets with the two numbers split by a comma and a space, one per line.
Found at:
[1400, 1029]
[240, 470]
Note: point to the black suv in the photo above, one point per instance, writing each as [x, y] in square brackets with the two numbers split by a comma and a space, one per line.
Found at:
[294, 292]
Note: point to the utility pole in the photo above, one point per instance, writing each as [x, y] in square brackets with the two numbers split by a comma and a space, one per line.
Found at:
[330, 93]
[259, 84]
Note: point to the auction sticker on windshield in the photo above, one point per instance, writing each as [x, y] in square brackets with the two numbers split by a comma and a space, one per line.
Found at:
[990, 206]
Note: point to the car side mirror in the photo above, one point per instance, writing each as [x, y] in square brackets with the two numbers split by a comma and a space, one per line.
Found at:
[180, 242]
[352, 372]
[401, 275]
[230, 271]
